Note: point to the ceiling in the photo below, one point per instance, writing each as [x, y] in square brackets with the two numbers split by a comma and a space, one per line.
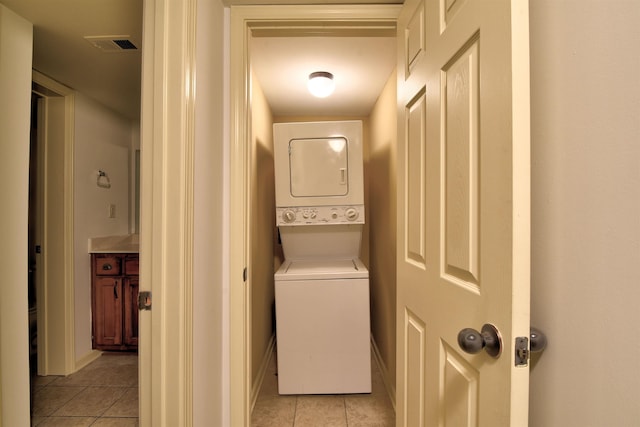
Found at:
[61, 52]
[361, 66]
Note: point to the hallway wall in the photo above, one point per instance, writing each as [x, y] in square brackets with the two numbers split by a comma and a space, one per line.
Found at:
[16, 40]
[382, 227]
[262, 210]
[585, 95]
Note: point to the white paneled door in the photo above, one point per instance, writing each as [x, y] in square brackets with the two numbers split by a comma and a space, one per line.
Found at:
[463, 219]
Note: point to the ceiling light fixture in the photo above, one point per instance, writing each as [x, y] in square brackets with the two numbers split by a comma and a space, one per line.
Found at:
[321, 84]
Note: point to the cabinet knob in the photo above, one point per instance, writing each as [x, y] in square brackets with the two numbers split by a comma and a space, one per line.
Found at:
[107, 267]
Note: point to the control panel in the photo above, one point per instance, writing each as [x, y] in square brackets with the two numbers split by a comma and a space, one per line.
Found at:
[302, 215]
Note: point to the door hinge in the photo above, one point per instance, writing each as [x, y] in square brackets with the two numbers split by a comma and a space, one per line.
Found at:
[244, 274]
[144, 300]
[522, 351]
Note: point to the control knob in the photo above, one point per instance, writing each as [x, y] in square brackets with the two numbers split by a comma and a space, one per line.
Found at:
[351, 214]
[288, 215]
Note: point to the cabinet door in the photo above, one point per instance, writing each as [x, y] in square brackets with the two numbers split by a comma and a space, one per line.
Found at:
[107, 325]
[131, 311]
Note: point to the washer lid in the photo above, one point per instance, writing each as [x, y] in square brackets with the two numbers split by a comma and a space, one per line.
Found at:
[322, 269]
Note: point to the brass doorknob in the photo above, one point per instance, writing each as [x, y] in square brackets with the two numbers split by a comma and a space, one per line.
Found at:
[489, 339]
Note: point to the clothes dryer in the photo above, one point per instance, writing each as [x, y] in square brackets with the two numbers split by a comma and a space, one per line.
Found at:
[318, 164]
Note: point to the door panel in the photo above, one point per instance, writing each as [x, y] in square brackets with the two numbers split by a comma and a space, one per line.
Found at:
[414, 333]
[459, 391]
[416, 203]
[463, 200]
[461, 166]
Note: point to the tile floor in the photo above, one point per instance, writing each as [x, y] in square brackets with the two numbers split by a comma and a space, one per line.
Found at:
[103, 393]
[351, 410]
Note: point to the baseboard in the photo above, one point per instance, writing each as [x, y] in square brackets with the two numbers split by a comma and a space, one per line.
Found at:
[86, 359]
[391, 388]
[266, 359]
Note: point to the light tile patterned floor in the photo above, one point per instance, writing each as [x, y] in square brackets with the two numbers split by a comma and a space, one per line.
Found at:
[104, 393]
[350, 410]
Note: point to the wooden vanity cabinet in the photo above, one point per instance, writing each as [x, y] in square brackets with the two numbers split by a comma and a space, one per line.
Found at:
[114, 301]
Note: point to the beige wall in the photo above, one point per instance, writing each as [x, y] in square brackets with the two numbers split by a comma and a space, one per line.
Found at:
[585, 96]
[16, 37]
[262, 231]
[382, 226]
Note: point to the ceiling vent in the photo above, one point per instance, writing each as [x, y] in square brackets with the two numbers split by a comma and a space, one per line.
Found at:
[112, 44]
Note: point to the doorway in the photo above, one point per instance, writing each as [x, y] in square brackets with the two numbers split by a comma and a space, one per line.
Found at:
[59, 247]
[33, 236]
[299, 21]
[51, 220]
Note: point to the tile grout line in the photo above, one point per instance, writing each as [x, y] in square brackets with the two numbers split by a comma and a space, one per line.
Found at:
[295, 411]
[346, 417]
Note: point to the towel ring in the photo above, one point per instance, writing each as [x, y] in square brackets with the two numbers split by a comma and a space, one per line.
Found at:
[103, 180]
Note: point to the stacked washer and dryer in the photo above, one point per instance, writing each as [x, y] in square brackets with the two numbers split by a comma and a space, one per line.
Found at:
[322, 288]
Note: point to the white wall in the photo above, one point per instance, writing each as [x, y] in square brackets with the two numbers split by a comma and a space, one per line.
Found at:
[103, 141]
[16, 40]
[585, 83]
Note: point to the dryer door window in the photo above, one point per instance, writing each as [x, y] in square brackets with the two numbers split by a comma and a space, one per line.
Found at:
[319, 167]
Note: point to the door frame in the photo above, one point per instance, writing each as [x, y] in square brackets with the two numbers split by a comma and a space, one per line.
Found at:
[55, 293]
[289, 20]
[167, 143]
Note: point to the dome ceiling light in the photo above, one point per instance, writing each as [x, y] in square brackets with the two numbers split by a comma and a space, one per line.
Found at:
[321, 84]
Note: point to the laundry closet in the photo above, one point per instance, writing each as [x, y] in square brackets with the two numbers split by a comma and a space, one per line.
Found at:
[371, 235]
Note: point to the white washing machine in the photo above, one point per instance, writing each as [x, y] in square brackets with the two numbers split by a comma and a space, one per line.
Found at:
[322, 288]
[322, 310]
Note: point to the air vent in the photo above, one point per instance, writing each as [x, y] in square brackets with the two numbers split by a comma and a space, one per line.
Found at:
[112, 43]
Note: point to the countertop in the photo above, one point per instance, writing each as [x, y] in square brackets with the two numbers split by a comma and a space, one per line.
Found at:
[129, 243]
